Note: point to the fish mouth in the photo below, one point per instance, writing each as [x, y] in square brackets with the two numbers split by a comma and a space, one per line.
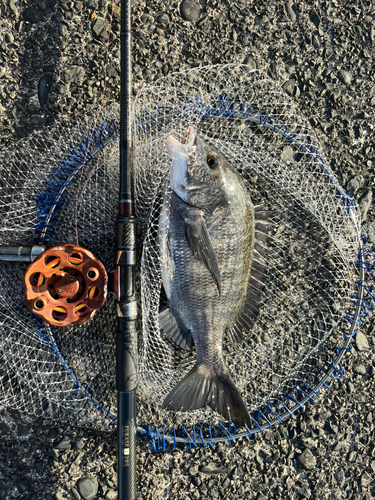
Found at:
[183, 158]
[188, 144]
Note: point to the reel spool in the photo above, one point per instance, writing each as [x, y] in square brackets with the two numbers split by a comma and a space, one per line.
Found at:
[65, 285]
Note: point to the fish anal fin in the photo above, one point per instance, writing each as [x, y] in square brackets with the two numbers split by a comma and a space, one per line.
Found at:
[200, 244]
[203, 387]
[173, 331]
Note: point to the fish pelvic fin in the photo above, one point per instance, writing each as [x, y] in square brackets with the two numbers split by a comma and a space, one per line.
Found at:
[174, 331]
[203, 387]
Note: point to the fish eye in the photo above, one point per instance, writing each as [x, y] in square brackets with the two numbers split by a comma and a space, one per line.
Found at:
[212, 162]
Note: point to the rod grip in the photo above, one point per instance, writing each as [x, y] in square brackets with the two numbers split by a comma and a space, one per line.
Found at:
[126, 353]
[126, 446]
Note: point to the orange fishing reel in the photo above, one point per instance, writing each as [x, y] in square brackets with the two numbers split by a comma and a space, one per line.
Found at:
[65, 285]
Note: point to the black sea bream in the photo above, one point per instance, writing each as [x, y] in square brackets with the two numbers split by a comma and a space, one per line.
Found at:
[211, 272]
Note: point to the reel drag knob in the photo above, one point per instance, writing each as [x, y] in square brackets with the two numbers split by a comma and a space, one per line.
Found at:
[65, 285]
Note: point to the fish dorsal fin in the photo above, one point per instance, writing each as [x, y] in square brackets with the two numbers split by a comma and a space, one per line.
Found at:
[200, 244]
[245, 320]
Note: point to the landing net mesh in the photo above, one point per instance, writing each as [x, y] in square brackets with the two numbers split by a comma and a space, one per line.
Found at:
[310, 277]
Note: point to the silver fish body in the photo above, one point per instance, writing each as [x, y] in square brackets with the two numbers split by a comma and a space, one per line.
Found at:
[206, 235]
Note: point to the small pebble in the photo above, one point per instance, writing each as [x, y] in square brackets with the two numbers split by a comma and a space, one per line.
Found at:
[250, 63]
[23, 430]
[38, 465]
[371, 231]
[315, 18]
[290, 11]
[213, 469]
[193, 470]
[355, 184]
[100, 29]
[315, 42]
[307, 459]
[147, 19]
[64, 444]
[190, 11]
[14, 9]
[345, 77]
[364, 203]
[4, 429]
[361, 341]
[366, 479]
[75, 493]
[111, 495]
[360, 369]
[79, 444]
[57, 18]
[44, 87]
[289, 87]
[163, 18]
[287, 154]
[88, 487]
[351, 387]
[31, 15]
[36, 64]
[54, 454]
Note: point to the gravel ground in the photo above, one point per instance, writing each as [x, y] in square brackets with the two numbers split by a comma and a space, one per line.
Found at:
[323, 54]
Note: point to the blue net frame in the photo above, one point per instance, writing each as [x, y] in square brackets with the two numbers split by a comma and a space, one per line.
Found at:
[50, 203]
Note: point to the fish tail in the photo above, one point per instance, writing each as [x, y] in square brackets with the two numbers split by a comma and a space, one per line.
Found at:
[203, 387]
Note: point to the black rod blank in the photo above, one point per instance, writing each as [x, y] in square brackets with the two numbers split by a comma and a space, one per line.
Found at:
[126, 342]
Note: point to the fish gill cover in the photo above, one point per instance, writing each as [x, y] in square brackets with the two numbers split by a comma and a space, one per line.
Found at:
[308, 305]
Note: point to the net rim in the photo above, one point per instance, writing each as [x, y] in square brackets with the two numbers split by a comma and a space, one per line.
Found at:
[159, 441]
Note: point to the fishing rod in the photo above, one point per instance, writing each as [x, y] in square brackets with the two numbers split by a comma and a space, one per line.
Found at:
[126, 342]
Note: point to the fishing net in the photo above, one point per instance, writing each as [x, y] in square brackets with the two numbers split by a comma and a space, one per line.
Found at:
[315, 293]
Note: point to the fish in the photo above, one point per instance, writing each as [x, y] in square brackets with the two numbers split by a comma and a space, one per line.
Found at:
[212, 241]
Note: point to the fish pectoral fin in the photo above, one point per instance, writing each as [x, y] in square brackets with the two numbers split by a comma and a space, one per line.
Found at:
[172, 331]
[200, 244]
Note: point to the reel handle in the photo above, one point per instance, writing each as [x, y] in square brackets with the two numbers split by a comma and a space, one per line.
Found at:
[20, 253]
